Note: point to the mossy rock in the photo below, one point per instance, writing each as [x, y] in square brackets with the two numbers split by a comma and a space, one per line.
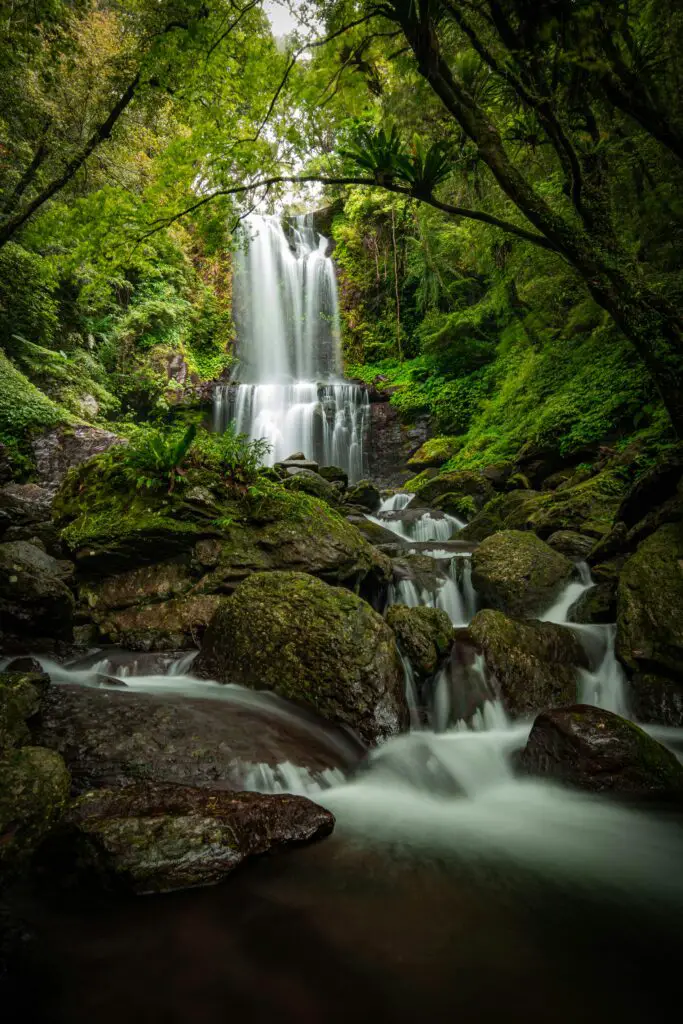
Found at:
[313, 483]
[570, 543]
[335, 475]
[34, 790]
[435, 452]
[494, 515]
[596, 750]
[533, 664]
[650, 605]
[589, 508]
[462, 506]
[20, 694]
[518, 482]
[161, 626]
[311, 643]
[34, 600]
[597, 604]
[365, 494]
[656, 698]
[425, 635]
[519, 574]
[458, 482]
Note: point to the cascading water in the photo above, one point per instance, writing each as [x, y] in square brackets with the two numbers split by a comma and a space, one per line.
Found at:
[287, 315]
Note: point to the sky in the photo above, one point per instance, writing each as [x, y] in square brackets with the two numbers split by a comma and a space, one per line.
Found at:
[280, 18]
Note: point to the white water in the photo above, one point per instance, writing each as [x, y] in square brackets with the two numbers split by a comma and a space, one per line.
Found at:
[287, 316]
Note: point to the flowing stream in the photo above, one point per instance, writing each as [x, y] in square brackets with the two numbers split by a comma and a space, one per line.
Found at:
[291, 389]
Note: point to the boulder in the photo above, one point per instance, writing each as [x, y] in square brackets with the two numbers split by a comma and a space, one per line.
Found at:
[494, 515]
[434, 453]
[656, 698]
[311, 643]
[518, 573]
[462, 506]
[601, 752]
[533, 664]
[460, 483]
[24, 504]
[152, 838]
[335, 475]
[570, 543]
[375, 533]
[422, 570]
[34, 789]
[597, 604]
[117, 737]
[653, 488]
[424, 635]
[58, 450]
[159, 626]
[20, 695]
[294, 465]
[365, 494]
[589, 508]
[650, 605]
[312, 483]
[34, 600]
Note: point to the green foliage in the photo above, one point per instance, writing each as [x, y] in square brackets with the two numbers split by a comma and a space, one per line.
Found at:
[27, 307]
[154, 458]
[24, 411]
[233, 456]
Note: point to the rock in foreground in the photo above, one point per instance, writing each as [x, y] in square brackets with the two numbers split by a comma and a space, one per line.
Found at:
[159, 838]
[599, 751]
[313, 644]
[425, 635]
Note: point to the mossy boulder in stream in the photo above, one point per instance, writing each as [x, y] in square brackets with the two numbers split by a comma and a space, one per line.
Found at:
[425, 635]
[313, 644]
[589, 508]
[364, 494]
[593, 749]
[494, 516]
[531, 664]
[20, 694]
[459, 483]
[650, 624]
[34, 789]
[518, 573]
[159, 838]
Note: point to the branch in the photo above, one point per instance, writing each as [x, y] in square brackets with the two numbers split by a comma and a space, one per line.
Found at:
[233, 24]
[453, 211]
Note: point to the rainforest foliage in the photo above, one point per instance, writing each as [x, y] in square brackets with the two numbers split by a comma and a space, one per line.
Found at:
[502, 180]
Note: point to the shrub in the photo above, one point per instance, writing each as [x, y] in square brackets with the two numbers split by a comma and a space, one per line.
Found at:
[232, 455]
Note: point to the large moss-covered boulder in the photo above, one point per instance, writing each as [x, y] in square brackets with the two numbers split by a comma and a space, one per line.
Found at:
[650, 604]
[572, 544]
[34, 789]
[494, 515]
[650, 624]
[589, 508]
[518, 573]
[459, 483]
[20, 694]
[434, 453]
[532, 664]
[160, 626]
[597, 604]
[311, 643]
[34, 599]
[425, 635]
[313, 483]
[159, 838]
[593, 749]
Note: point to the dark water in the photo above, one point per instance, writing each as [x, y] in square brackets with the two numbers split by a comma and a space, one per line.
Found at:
[340, 932]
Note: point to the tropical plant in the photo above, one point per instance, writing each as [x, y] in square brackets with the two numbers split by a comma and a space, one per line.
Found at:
[376, 151]
[237, 458]
[154, 458]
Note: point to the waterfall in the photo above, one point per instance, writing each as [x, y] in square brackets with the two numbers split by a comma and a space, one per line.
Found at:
[287, 316]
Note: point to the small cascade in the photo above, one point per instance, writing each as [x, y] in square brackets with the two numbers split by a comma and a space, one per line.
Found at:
[287, 316]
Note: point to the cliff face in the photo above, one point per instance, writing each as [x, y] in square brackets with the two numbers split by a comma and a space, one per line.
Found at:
[391, 442]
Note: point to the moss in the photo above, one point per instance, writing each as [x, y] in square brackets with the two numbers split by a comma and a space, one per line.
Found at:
[19, 701]
[24, 412]
[518, 573]
[434, 452]
[425, 635]
[463, 506]
[494, 515]
[34, 790]
[589, 507]
[474, 485]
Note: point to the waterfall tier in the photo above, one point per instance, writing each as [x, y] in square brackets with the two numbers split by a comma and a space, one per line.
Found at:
[287, 317]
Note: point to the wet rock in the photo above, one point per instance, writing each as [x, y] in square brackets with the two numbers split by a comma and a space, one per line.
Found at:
[292, 465]
[460, 483]
[118, 737]
[58, 450]
[311, 643]
[425, 635]
[20, 696]
[154, 839]
[34, 600]
[656, 698]
[24, 665]
[589, 508]
[533, 664]
[296, 457]
[462, 506]
[570, 543]
[597, 604]
[650, 605]
[24, 504]
[34, 789]
[608, 572]
[312, 483]
[335, 475]
[518, 573]
[159, 582]
[494, 515]
[422, 570]
[365, 494]
[160, 626]
[613, 543]
[498, 473]
[599, 751]
[374, 532]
